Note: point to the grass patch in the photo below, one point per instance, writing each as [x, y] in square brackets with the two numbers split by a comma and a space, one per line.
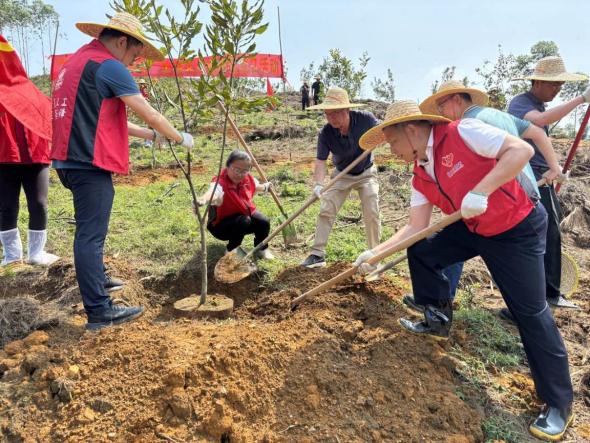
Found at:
[492, 343]
[500, 428]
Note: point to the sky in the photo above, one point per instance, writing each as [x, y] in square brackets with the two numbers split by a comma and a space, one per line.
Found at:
[416, 39]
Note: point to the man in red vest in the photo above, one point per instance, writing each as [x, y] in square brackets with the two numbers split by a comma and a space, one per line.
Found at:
[90, 143]
[470, 166]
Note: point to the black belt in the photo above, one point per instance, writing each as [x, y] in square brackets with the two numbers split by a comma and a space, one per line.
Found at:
[359, 173]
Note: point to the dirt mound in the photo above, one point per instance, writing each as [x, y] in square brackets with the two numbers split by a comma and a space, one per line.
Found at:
[337, 369]
[576, 210]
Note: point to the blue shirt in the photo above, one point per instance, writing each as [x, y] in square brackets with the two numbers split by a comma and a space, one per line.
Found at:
[345, 148]
[520, 106]
[513, 126]
[112, 79]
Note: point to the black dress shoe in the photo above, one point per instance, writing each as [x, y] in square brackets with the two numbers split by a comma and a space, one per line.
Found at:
[436, 324]
[552, 423]
[410, 302]
[112, 284]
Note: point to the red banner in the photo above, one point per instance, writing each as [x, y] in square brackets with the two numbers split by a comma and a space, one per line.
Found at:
[259, 65]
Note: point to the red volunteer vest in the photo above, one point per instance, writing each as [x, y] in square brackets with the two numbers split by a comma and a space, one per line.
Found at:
[87, 127]
[38, 148]
[237, 199]
[457, 170]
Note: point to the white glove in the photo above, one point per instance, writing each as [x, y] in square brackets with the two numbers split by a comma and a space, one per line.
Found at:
[187, 140]
[317, 189]
[363, 267]
[266, 187]
[474, 204]
[586, 94]
[562, 178]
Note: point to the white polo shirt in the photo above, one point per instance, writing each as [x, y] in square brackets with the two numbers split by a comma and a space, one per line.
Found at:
[481, 138]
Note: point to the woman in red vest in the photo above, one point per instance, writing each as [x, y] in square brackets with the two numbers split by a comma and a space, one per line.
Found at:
[233, 214]
[25, 128]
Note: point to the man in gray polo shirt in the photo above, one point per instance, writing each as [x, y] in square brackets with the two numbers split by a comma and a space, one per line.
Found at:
[546, 82]
[340, 137]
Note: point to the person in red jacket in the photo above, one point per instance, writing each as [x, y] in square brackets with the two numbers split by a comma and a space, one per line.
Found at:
[25, 131]
[90, 143]
[469, 166]
[232, 214]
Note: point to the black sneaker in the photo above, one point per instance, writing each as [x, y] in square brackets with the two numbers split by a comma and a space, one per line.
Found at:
[505, 314]
[314, 261]
[409, 301]
[436, 324]
[114, 316]
[112, 284]
[552, 423]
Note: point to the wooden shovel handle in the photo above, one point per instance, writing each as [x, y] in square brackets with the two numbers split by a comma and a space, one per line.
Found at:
[404, 244]
[247, 149]
[308, 203]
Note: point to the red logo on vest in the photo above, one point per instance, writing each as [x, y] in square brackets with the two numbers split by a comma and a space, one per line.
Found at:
[447, 160]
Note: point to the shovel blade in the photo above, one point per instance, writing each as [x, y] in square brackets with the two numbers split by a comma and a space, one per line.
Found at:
[231, 268]
[289, 232]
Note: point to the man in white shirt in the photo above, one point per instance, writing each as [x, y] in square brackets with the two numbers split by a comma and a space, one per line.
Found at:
[469, 166]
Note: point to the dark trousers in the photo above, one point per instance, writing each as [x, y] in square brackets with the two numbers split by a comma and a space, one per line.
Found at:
[304, 102]
[93, 194]
[34, 179]
[515, 260]
[553, 246]
[234, 228]
[453, 274]
[316, 99]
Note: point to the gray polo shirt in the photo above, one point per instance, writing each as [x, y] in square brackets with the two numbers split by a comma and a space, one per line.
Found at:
[345, 148]
[519, 107]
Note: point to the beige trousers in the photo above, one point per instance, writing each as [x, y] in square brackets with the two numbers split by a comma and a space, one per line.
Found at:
[367, 186]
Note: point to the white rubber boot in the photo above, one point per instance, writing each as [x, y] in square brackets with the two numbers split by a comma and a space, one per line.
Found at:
[12, 246]
[36, 249]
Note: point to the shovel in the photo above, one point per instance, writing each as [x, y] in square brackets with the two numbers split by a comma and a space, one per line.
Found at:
[231, 268]
[404, 244]
[288, 231]
[570, 156]
[376, 274]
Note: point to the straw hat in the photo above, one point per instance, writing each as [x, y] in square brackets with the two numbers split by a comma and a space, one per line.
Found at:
[397, 112]
[127, 24]
[336, 98]
[552, 69]
[478, 97]
[317, 77]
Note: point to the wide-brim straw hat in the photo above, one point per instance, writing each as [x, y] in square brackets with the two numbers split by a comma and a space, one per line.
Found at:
[336, 98]
[128, 24]
[478, 97]
[552, 69]
[397, 112]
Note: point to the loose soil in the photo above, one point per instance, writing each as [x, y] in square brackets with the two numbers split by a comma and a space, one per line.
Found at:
[338, 369]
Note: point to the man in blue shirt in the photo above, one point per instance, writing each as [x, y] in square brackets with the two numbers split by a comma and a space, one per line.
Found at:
[340, 137]
[547, 79]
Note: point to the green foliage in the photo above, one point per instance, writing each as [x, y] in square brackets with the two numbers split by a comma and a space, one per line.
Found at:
[29, 24]
[493, 344]
[338, 70]
[447, 74]
[498, 428]
[384, 89]
[498, 77]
